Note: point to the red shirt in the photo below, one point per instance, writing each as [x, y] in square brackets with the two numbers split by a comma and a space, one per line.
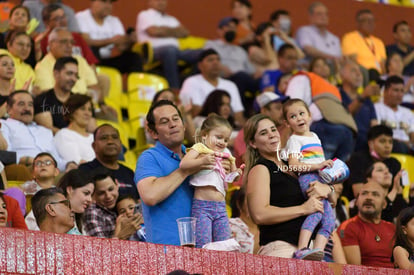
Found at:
[14, 214]
[373, 252]
[80, 48]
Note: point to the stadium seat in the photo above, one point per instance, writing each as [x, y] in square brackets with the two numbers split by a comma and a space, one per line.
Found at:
[143, 86]
[130, 160]
[14, 183]
[137, 111]
[345, 201]
[191, 43]
[115, 95]
[147, 52]
[232, 188]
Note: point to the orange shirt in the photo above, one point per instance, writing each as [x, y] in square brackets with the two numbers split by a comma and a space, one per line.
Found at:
[5, 9]
[320, 85]
[370, 51]
[242, 32]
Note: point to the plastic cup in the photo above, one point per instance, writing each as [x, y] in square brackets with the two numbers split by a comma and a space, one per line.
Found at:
[187, 231]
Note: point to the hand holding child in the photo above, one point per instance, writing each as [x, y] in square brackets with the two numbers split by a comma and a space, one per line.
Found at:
[312, 205]
[208, 161]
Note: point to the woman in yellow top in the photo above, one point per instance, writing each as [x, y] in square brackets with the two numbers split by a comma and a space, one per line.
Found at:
[19, 46]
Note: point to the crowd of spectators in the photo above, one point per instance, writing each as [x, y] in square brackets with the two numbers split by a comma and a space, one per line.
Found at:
[357, 93]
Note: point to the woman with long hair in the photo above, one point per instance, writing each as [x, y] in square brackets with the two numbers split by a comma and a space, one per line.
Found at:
[78, 188]
[403, 252]
[274, 198]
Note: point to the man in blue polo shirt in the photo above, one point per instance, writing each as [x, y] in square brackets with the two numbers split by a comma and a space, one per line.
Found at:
[163, 186]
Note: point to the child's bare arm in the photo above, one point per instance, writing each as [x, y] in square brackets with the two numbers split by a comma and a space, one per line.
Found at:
[296, 165]
[193, 160]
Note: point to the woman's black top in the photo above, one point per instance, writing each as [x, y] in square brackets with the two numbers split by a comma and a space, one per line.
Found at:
[284, 192]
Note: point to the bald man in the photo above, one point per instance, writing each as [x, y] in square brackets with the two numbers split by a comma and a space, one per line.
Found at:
[368, 240]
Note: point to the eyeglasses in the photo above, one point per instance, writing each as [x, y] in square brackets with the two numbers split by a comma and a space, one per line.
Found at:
[65, 202]
[66, 41]
[40, 163]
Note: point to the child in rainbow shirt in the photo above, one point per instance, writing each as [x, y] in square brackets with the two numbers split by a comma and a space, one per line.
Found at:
[306, 156]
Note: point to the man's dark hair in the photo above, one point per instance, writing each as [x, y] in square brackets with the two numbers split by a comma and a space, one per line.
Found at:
[361, 12]
[378, 130]
[398, 24]
[40, 200]
[11, 101]
[43, 154]
[47, 11]
[101, 126]
[62, 61]
[101, 173]
[284, 48]
[277, 13]
[393, 80]
[150, 115]
[206, 53]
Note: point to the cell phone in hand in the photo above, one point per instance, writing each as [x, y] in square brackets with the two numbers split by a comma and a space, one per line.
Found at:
[404, 178]
[138, 208]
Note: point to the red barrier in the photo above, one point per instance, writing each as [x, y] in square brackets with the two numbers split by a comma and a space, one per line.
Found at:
[32, 252]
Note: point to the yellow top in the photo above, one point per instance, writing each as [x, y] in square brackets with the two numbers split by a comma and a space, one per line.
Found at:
[23, 71]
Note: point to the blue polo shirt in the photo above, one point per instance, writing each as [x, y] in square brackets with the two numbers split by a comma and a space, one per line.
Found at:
[160, 220]
[270, 78]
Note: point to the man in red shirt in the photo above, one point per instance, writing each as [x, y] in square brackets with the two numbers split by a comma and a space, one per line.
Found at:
[366, 239]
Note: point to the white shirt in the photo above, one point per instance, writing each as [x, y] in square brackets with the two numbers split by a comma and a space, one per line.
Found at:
[111, 27]
[325, 42]
[232, 56]
[300, 87]
[397, 120]
[29, 140]
[151, 17]
[72, 146]
[306, 149]
[196, 89]
[31, 222]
